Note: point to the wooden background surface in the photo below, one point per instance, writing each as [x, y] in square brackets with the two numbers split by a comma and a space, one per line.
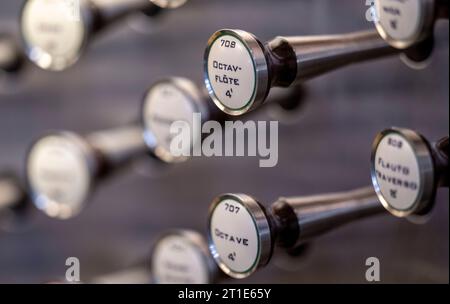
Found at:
[328, 149]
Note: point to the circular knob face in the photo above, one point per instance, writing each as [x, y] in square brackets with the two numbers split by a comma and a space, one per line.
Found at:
[236, 72]
[54, 32]
[402, 172]
[182, 257]
[239, 235]
[59, 173]
[167, 102]
[169, 3]
[404, 23]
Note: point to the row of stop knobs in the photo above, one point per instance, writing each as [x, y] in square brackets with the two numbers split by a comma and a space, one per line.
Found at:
[240, 71]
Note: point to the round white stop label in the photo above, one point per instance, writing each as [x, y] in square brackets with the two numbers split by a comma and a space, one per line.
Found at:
[59, 176]
[400, 20]
[397, 172]
[235, 237]
[177, 260]
[54, 32]
[164, 105]
[231, 72]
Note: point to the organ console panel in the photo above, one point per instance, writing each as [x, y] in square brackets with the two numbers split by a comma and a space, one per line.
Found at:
[81, 126]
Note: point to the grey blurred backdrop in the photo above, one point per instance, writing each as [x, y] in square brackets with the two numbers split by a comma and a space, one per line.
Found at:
[328, 149]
